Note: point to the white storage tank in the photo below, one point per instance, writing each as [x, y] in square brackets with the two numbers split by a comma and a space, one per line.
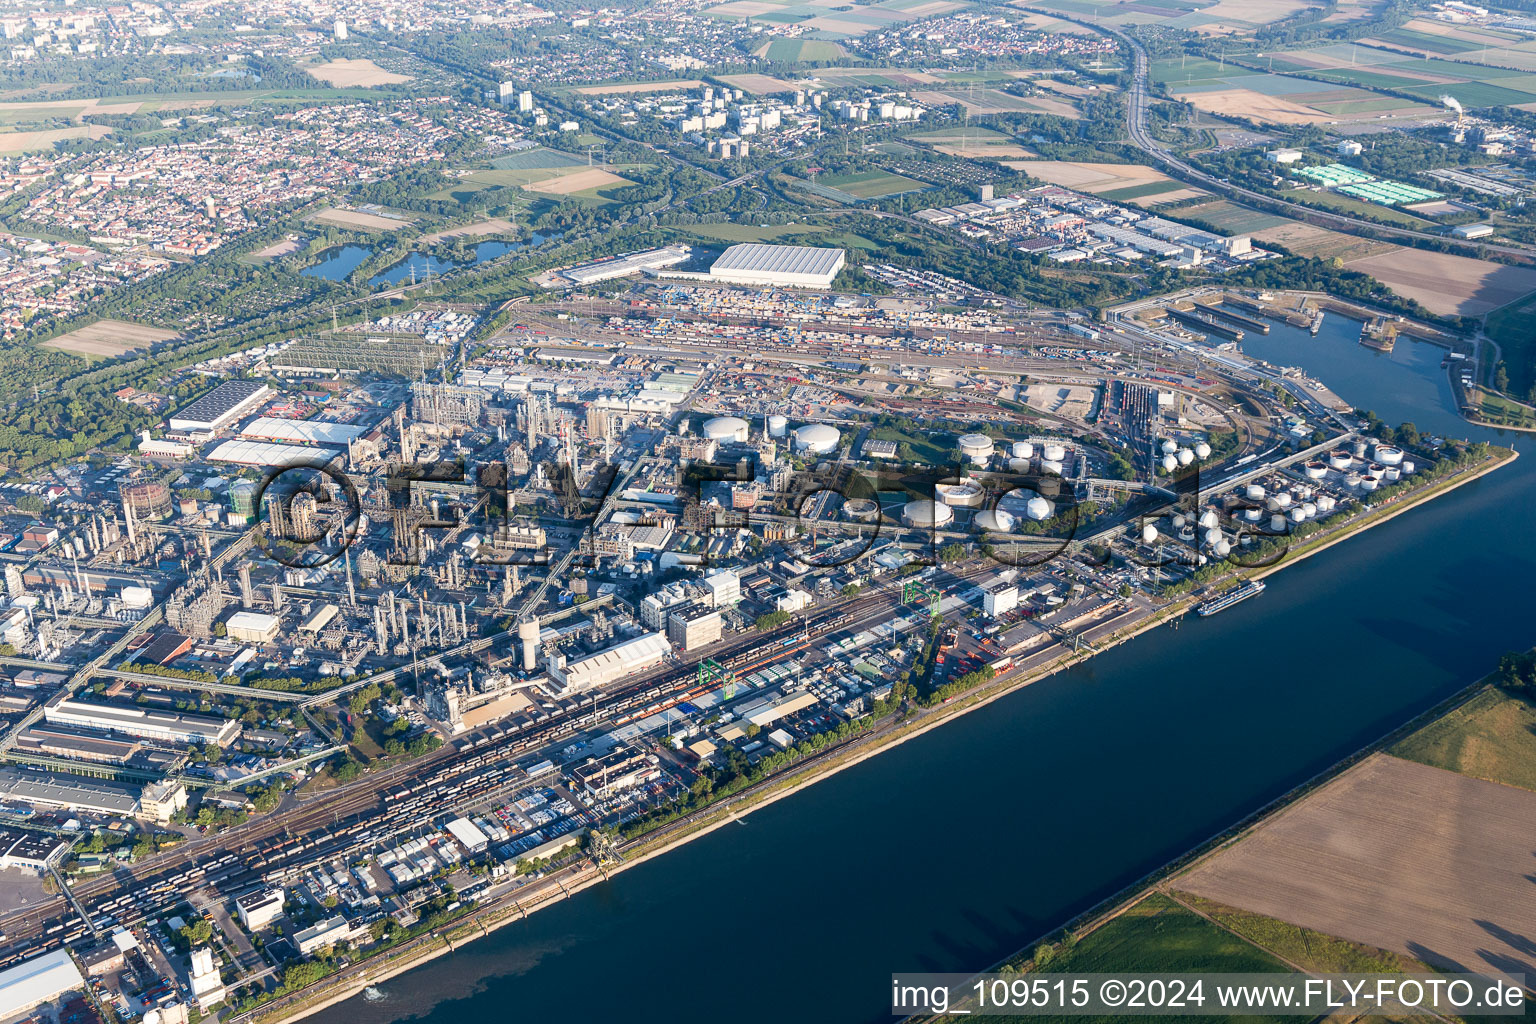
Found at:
[1209, 519]
[995, 520]
[1038, 508]
[1186, 456]
[1170, 463]
[1393, 474]
[1223, 548]
[1055, 453]
[1051, 466]
[1325, 503]
[1315, 470]
[1339, 459]
[976, 447]
[1387, 455]
[1353, 480]
[1018, 465]
[778, 426]
[1369, 483]
[1253, 515]
[927, 514]
[1202, 450]
[1254, 492]
[726, 428]
[1212, 537]
[1148, 534]
[817, 438]
[1277, 524]
[1308, 509]
[1170, 447]
[1023, 450]
[1376, 471]
[1408, 466]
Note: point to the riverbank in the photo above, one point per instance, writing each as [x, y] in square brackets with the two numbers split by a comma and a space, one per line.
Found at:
[1111, 633]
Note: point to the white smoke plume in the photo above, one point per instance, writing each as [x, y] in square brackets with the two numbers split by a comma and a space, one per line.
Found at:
[1451, 102]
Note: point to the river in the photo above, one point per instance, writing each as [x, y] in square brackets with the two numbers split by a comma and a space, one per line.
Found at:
[954, 849]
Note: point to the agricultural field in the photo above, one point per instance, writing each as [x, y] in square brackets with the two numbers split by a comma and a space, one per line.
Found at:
[15, 142]
[872, 184]
[359, 220]
[1232, 218]
[1449, 284]
[982, 100]
[790, 51]
[1207, 17]
[1231, 91]
[758, 85]
[833, 21]
[589, 182]
[1428, 77]
[1114, 182]
[1510, 327]
[973, 143]
[1310, 240]
[537, 158]
[1492, 736]
[355, 72]
[1399, 855]
[106, 339]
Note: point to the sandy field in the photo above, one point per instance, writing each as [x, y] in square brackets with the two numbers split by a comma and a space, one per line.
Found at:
[350, 73]
[1173, 195]
[1399, 855]
[108, 338]
[1066, 400]
[762, 85]
[1445, 283]
[1046, 23]
[744, 8]
[1309, 240]
[1255, 105]
[286, 247]
[1238, 15]
[994, 101]
[358, 219]
[579, 181]
[1089, 177]
[636, 87]
[494, 226]
[26, 142]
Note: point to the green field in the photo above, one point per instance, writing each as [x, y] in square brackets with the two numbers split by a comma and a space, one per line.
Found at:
[934, 451]
[872, 184]
[532, 159]
[792, 50]
[1233, 219]
[960, 136]
[1314, 951]
[1344, 204]
[1510, 326]
[1151, 188]
[1492, 736]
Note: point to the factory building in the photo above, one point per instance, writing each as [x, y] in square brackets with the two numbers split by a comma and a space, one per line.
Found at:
[268, 454]
[271, 428]
[28, 851]
[693, 627]
[39, 980]
[618, 770]
[131, 720]
[628, 264]
[64, 792]
[161, 800]
[617, 662]
[260, 908]
[252, 627]
[1000, 600]
[324, 933]
[221, 407]
[781, 266]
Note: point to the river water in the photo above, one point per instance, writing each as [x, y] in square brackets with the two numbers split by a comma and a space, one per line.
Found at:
[957, 848]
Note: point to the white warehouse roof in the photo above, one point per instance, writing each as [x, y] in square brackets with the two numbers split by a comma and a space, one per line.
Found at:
[41, 979]
[271, 428]
[616, 662]
[268, 454]
[801, 266]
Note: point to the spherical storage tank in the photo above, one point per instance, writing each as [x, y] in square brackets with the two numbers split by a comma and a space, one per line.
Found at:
[1202, 450]
[1038, 508]
[1023, 450]
[1170, 446]
[976, 447]
[1186, 456]
[816, 438]
[726, 428]
[926, 514]
[1209, 519]
[778, 426]
[1170, 463]
[1148, 534]
[995, 521]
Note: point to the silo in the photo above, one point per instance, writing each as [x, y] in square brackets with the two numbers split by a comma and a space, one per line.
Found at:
[528, 633]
